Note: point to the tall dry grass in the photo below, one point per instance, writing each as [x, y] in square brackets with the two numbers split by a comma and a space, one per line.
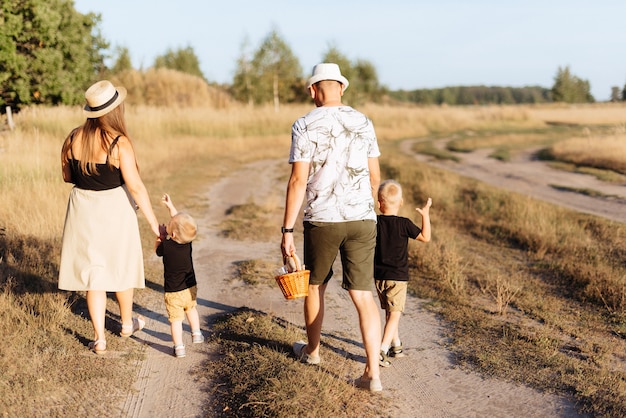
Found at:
[535, 292]
[597, 151]
[396, 122]
[172, 142]
[573, 262]
[163, 87]
[166, 140]
[580, 114]
[170, 138]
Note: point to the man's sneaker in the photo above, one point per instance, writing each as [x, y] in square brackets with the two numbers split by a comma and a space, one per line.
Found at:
[179, 351]
[197, 337]
[303, 356]
[396, 351]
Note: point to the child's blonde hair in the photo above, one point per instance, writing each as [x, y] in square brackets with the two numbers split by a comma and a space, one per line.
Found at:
[184, 227]
[390, 192]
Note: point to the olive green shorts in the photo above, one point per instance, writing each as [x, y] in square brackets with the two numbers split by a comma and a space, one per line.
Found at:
[392, 294]
[354, 241]
[177, 303]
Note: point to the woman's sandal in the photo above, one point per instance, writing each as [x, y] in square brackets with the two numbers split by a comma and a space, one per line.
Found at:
[98, 346]
[137, 325]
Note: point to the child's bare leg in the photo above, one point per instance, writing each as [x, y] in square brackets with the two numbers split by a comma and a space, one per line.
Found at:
[392, 323]
[194, 319]
[177, 332]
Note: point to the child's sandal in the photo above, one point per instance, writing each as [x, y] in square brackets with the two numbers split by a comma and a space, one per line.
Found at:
[137, 325]
[384, 359]
[396, 351]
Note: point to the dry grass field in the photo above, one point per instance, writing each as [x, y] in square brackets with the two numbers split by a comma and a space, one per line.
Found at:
[532, 292]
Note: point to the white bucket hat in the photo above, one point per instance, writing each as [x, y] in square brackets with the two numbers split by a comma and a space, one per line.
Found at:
[102, 97]
[327, 71]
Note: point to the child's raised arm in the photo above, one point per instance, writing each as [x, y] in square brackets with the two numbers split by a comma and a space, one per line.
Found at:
[424, 236]
[167, 201]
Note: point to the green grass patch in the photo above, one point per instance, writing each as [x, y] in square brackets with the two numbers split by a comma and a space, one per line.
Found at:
[255, 271]
[501, 154]
[583, 191]
[249, 221]
[428, 148]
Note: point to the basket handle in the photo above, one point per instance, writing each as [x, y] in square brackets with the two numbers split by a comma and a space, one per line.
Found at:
[296, 261]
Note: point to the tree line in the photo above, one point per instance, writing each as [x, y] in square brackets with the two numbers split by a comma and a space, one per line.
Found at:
[49, 54]
[475, 95]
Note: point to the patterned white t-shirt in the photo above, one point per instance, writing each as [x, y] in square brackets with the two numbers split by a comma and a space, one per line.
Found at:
[337, 142]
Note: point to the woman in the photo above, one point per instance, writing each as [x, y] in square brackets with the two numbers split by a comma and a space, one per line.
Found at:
[101, 250]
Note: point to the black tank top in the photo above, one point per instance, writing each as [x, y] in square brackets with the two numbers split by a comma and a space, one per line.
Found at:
[108, 177]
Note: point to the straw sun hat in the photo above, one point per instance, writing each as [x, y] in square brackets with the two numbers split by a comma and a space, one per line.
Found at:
[327, 71]
[102, 97]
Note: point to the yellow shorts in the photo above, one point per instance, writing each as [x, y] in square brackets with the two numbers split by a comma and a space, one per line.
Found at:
[177, 303]
[392, 294]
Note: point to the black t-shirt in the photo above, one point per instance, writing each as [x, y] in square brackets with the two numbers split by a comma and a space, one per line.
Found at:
[177, 265]
[391, 260]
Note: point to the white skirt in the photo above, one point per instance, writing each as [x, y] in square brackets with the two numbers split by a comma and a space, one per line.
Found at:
[101, 247]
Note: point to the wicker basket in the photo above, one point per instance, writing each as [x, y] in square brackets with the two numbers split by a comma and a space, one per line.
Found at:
[296, 284]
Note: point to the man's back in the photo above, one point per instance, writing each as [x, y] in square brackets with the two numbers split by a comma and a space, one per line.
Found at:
[337, 142]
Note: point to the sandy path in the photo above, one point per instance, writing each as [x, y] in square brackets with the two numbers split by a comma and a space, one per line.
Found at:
[425, 383]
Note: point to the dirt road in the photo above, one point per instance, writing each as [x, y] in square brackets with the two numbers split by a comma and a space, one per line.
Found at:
[425, 383]
[529, 176]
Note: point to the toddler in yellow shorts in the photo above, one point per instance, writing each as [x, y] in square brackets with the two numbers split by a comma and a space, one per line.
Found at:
[174, 245]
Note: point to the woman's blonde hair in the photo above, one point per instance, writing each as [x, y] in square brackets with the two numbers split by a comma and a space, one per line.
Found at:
[184, 227]
[390, 192]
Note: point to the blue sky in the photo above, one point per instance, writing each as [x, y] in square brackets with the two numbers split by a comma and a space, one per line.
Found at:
[412, 44]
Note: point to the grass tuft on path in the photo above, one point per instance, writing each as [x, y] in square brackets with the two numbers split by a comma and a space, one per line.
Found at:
[257, 375]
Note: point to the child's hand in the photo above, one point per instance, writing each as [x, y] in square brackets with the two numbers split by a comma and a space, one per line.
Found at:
[162, 233]
[426, 209]
[167, 201]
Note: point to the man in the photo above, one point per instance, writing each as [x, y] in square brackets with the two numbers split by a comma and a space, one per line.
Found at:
[334, 156]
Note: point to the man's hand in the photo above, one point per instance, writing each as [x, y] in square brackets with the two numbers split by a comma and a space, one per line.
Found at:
[287, 246]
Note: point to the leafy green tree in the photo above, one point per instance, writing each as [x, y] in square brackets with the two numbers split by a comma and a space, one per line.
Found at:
[274, 74]
[362, 75]
[570, 89]
[241, 88]
[184, 60]
[366, 82]
[615, 94]
[471, 95]
[49, 53]
[122, 61]
[345, 65]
